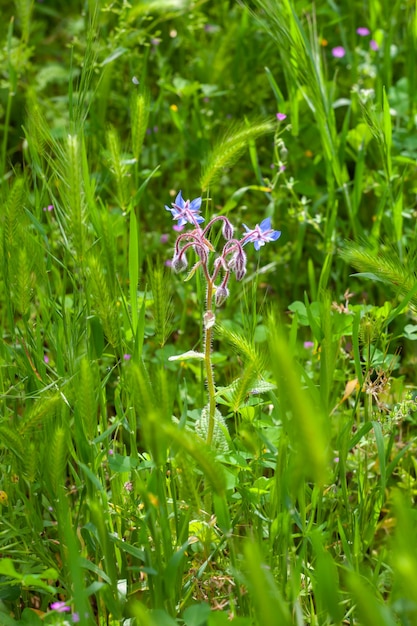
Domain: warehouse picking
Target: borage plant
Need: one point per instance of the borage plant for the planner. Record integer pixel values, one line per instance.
(217, 273)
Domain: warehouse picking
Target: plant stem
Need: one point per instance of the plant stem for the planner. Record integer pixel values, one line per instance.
(208, 325)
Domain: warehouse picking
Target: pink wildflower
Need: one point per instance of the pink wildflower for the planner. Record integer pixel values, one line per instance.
(338, 52)
(60, 607)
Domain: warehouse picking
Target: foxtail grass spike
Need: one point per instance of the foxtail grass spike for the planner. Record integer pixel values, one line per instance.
(139, 114)
(229, 148)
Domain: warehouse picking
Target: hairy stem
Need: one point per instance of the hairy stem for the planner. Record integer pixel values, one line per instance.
(208, 326)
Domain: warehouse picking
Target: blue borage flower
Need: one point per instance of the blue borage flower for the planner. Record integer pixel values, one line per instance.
(261, 234)
(186, 211)
(231, 260)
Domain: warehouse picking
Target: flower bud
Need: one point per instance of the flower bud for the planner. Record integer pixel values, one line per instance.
(227, 229)
(222, 293)
(240, 273)
(238, 264)
(179, 263)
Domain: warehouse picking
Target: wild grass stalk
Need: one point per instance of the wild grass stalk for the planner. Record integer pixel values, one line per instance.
(229, 148)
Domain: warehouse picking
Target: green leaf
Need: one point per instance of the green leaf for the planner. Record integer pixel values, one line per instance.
(6, 620)
(186, 356)
(410, 332)
(120, 464)
(196, 615)
(114, 55)
(91, 476)
(30, 618)
(192, 272)
(159, 617)
(221, 508)
(7, 569)
(269, 605)
(326, 581)
(30, 581)
(128, 548)
(379, 438)
(9, 591)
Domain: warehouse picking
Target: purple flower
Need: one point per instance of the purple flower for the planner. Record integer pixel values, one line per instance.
(373, 44)
(338, 52)
(227, 229)
(261, 234)
(238, 262)
(48, 208)
(281, 117)
(60, 607)
(363, 31)
(186, 211)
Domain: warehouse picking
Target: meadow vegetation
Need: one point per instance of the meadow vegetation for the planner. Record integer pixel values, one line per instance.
(174, 449)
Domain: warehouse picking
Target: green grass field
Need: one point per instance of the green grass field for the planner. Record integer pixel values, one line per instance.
(208, 413)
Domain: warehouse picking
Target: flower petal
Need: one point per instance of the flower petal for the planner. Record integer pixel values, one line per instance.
(276, 234)
(265, 224)
(179, 200)
(195, 204)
